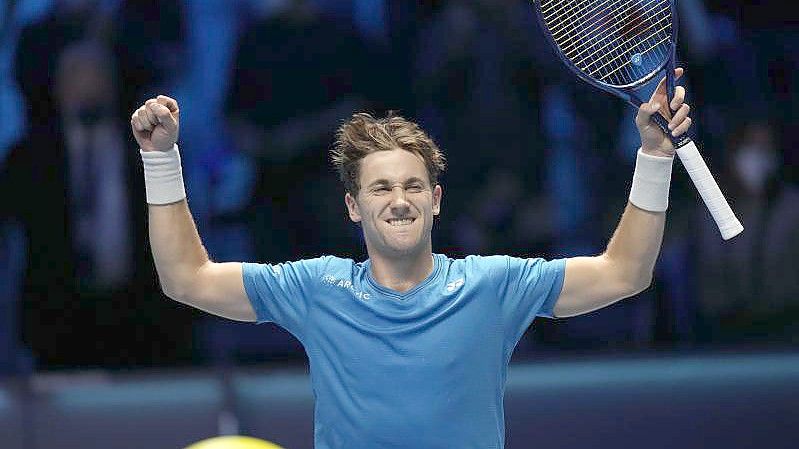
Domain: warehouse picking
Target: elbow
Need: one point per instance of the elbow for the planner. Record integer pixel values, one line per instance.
(641, 284)
(175, 289)
(631, 278)
(171, 291)
(183, 285)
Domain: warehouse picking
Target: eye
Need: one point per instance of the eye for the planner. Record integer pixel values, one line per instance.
(380, 189)
(415, 187)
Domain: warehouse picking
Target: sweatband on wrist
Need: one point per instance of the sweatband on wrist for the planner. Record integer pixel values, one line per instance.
(163, 176)
(651, 181)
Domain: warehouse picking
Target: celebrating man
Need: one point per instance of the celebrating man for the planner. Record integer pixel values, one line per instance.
(408, 348)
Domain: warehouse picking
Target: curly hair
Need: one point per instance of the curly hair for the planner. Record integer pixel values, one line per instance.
(364, 134)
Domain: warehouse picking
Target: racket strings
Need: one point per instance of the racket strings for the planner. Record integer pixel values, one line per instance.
(617, 29)
(656, 47)
(577, 49)
(581, 40)
(620, 42)
(570, 21)
(622, 25)
(565, 14)
(610, 15)
(633, 42)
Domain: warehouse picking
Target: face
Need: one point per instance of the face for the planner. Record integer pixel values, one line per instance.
(395, 204)
(81, 86)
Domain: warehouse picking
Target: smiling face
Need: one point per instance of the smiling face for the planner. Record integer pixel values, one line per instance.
(395, 204)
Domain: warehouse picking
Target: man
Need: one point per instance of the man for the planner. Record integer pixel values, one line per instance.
(409, 348)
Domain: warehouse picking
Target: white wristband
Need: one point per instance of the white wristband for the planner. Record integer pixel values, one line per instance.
(651, 181)
(163, 176)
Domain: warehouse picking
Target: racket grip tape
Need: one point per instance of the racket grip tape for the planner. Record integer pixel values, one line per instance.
(709, 190)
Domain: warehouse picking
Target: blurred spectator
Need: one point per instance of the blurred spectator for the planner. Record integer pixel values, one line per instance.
(501, 219)
(490, 89)
(40, 44)
(477, 87)
(297, 75)
(149, 46)
(748, 290)
(89, 290)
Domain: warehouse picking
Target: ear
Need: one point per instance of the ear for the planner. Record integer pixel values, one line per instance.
(437, 193)
(352, 207)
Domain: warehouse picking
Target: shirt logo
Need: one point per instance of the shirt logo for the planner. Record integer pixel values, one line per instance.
(345, 284)
(454, 285)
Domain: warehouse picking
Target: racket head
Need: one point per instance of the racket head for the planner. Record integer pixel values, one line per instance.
(616, 45)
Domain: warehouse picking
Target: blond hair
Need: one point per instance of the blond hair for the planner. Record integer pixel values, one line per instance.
(364, 134)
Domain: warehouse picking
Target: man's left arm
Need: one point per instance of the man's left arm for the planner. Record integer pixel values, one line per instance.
(627, 265)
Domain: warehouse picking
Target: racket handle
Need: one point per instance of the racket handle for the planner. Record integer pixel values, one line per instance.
(709, 190)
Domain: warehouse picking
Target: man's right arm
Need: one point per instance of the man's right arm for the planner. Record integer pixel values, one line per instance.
(184, 270)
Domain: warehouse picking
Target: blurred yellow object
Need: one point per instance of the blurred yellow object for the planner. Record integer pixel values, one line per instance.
(234, 442)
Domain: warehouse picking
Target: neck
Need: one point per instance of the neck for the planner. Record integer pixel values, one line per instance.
(401, 273)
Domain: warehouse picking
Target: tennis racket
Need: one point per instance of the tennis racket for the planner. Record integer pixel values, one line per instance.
(619, 46)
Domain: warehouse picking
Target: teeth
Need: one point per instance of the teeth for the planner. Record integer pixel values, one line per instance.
(400, 222)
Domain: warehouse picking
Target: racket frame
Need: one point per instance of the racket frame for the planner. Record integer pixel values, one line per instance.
(628, 92)
(728, 224)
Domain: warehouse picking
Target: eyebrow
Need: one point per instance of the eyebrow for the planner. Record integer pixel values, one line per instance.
(384, 181)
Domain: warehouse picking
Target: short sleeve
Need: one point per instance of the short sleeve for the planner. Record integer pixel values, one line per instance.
(532, 287)
(281, 293)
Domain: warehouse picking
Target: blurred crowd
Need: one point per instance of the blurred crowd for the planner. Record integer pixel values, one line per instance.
(539, 164)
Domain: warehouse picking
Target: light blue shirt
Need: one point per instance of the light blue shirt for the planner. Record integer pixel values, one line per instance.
(421, 369)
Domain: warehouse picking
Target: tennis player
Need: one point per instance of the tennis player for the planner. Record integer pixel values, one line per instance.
(408, 349)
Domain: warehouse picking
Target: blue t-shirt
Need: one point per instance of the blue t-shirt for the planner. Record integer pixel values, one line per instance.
(421, 369)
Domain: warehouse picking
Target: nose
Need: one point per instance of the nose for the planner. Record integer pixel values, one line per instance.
(398, 200)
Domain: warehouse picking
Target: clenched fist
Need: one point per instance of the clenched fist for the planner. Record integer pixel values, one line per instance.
(155, 124)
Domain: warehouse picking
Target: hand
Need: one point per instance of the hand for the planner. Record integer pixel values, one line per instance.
(653, 140)
(155, 124)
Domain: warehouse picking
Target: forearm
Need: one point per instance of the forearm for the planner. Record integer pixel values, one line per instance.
(177, 249)
(635, 245)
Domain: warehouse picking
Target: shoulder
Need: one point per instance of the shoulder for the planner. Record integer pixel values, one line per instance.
(496, 261)
(310, 268)
(505, 264)
(477, 265)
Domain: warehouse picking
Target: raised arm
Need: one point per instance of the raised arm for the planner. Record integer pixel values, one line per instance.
(184, 270)
(627, 265)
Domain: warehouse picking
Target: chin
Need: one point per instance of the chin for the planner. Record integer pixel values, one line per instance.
(399, 245)
(402, 249)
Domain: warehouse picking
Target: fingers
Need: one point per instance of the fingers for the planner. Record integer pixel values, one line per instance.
(139, 122)
(679, 116)
(645, 112)
(680, 122)
(682, 127)
(170, 103)
(661, 89)
(162, 115)
(161, 110)
(679, 98)
(148, 112)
